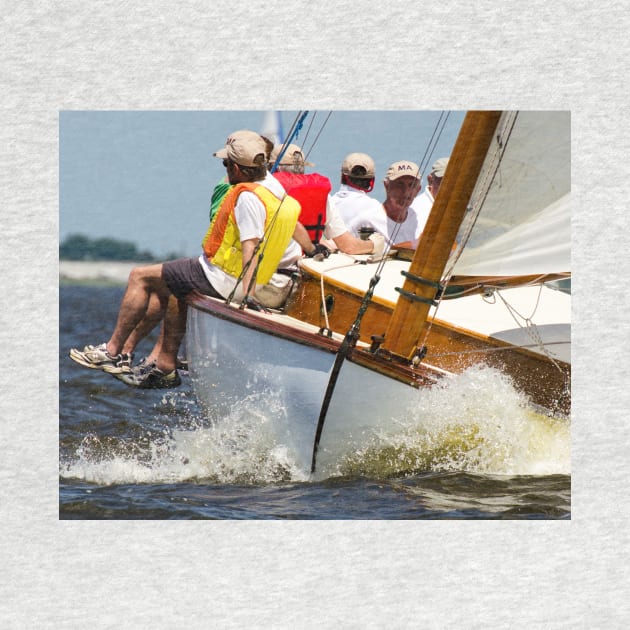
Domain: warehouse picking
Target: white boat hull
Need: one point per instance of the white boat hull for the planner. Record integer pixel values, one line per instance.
(282, 384)
(232, 364)
(263, 379)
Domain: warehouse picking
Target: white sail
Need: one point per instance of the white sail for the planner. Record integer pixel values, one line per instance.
(519, 218)
(272, 127)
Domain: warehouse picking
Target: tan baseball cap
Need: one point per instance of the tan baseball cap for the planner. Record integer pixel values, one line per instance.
(359, 165)
(404, 167)
(293, 154)
(244, 147)
(439, 167)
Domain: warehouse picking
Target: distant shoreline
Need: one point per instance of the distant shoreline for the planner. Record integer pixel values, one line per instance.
(95, 272)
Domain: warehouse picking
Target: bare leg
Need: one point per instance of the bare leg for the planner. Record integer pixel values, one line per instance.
(142, 282)
(171, 335)
(153, 316)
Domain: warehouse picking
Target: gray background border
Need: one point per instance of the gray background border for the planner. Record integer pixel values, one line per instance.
(369, 55)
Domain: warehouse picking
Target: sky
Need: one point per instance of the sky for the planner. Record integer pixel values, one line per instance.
(147, 176)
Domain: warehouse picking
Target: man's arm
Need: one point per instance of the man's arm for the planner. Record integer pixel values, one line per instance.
(249, 247)
(349, 244)
(302, 238)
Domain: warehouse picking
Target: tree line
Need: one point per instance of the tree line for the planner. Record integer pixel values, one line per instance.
(80, 247)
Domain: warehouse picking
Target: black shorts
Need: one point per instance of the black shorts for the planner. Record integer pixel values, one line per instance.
(185, 275)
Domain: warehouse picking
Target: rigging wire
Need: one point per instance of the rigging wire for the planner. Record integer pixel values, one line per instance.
(438, 129)
(319, 133)
(425, 160)
(311, 125)
(529, 326)
(352, 335)
(482, 189)
(294, 132)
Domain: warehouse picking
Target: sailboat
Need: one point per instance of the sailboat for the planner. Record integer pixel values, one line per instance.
(346, 357)
(272, 127)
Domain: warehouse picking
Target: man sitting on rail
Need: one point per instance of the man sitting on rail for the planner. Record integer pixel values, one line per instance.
(255, 207)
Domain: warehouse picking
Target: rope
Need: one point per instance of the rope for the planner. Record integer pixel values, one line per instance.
(530, 327)
(352, 335)
(355, 261)
(349, 342)
(322, 292)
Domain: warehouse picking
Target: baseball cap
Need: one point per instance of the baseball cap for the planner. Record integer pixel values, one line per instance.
(293, 154)
(244, 147)
(439, 166)
(404, 167)
(358, 165)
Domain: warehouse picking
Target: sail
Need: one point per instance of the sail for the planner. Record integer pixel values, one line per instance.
(519, 219)
(272, 127)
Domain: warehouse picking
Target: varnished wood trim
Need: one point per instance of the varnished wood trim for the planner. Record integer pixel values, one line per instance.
(261, 322)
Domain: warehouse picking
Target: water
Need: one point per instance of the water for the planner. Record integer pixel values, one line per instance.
(127, 454)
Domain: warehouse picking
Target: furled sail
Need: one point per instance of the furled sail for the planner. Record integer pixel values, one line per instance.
(519, 220)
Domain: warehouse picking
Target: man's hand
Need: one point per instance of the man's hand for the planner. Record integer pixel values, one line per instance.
(378, 242)
(320, 252)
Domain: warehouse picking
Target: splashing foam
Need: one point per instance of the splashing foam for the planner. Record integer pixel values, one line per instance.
(241, 449)
(476, 422)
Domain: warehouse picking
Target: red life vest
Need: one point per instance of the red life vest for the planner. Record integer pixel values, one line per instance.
(311, 190)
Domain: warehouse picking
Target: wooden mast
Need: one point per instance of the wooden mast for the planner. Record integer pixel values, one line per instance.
(408, 322)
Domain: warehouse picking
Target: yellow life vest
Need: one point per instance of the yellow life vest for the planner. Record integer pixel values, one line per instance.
(222, 242)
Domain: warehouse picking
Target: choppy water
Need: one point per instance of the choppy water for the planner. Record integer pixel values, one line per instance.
(126, 454)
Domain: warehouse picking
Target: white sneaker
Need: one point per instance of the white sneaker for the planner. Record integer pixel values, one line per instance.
(97, 358)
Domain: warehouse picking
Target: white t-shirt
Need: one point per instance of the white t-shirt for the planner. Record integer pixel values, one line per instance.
(422, 205)
(250, 215)
(408, 230)
(358, 210)
(334, 223)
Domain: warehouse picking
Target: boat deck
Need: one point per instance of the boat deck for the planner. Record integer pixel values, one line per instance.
(502, 316)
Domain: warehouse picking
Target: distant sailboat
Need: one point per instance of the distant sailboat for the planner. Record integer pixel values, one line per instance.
(344, 360)
(272, 127)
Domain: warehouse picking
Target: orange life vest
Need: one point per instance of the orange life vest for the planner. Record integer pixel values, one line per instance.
(222, 243)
